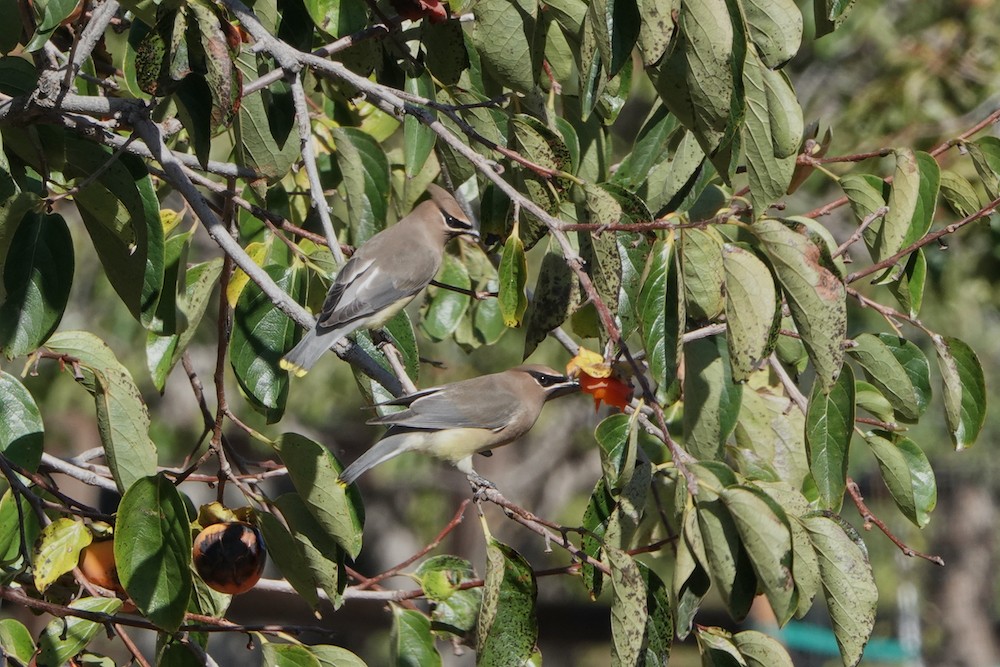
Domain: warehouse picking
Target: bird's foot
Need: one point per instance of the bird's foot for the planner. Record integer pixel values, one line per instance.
(480, 485)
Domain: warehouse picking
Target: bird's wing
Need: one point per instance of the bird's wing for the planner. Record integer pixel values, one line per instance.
(456, 406)
(369, 283)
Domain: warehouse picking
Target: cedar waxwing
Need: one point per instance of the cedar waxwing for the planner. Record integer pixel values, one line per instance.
(383, 275)
(457, 420)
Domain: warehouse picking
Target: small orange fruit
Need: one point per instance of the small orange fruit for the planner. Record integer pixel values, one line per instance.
(97, 562)
(230, 556)
(610, 390)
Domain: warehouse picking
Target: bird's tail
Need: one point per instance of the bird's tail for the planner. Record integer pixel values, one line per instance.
(303, 356)
(383, 450)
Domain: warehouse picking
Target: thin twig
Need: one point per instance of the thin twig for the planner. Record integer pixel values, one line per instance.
(433, 544)
(869, 518)
(312, 170)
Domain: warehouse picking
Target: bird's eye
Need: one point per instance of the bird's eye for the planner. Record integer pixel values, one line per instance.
(455, 223)
(548, 380)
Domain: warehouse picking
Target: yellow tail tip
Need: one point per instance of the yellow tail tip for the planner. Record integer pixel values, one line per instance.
(342, 484)
(292, 367)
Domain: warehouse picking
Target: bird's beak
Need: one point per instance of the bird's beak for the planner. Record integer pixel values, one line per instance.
(472, 234)
(567, 386)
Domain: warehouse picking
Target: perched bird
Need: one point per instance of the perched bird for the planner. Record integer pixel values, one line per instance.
(383, 275)
(454, 421)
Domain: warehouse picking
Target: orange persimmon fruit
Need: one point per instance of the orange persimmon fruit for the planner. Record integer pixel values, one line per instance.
(97, 562)
(230, 556)
(610, 390)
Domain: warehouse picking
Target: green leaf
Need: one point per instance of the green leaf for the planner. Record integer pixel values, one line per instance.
(899, 370)
(760, 650)
(848, 585)
(337, 17)
(985, 154)
(54, 12)
(650, 144)
(418, 139)
(366, 181)
(656, 28)
(261, 335)
(16, 642)
(169, 317)
(805, 566)
(907, 474)
(555, 297)
(262, 145)
(502, 35)
(63, 638)
(508, 626)
(675, 183)
(153, 550)
(412, 643)
(314, 471)
(659, 632)
(446, 308)
(699, 80)
(775, 28)
(21, 429)
(454, 609)
(513, 276)
(122, 216)
(617, 437)
(324, 557)
(628, 608)
(446, 54)
(335, 656)
(959, 193)
(222, 78)
(57, 550)
(829, 427)
(909, 286)
(703, 273)
(711, 398)
(764, 532)
(122, 419)
(661, 316)
(864, 193)
(830, 14)
(773, 129)
(753, 310)
(885, 236)
(767, 429)
(616, 26)
(163, 352)
(595, 521)
(964, 387)
(717, 648)
(285, 552)
(288, 655)
(37, 276)
(816, 294)
(869, 398)
(10, 31)
(690, 578)
(726, 559)
(17, 521)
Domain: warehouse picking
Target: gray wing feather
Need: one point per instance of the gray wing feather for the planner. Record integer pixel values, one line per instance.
(373, 279)
(456, 406)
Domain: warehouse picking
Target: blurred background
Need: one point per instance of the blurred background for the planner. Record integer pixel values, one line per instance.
(897, 74)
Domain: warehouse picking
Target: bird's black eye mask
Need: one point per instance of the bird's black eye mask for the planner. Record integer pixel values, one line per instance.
(457, 225)
(546, 380)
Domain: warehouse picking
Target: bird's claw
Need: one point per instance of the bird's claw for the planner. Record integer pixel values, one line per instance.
(480, 485)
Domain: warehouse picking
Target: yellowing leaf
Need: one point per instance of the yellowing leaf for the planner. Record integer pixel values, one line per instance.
(258, 253)
(590, 363)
